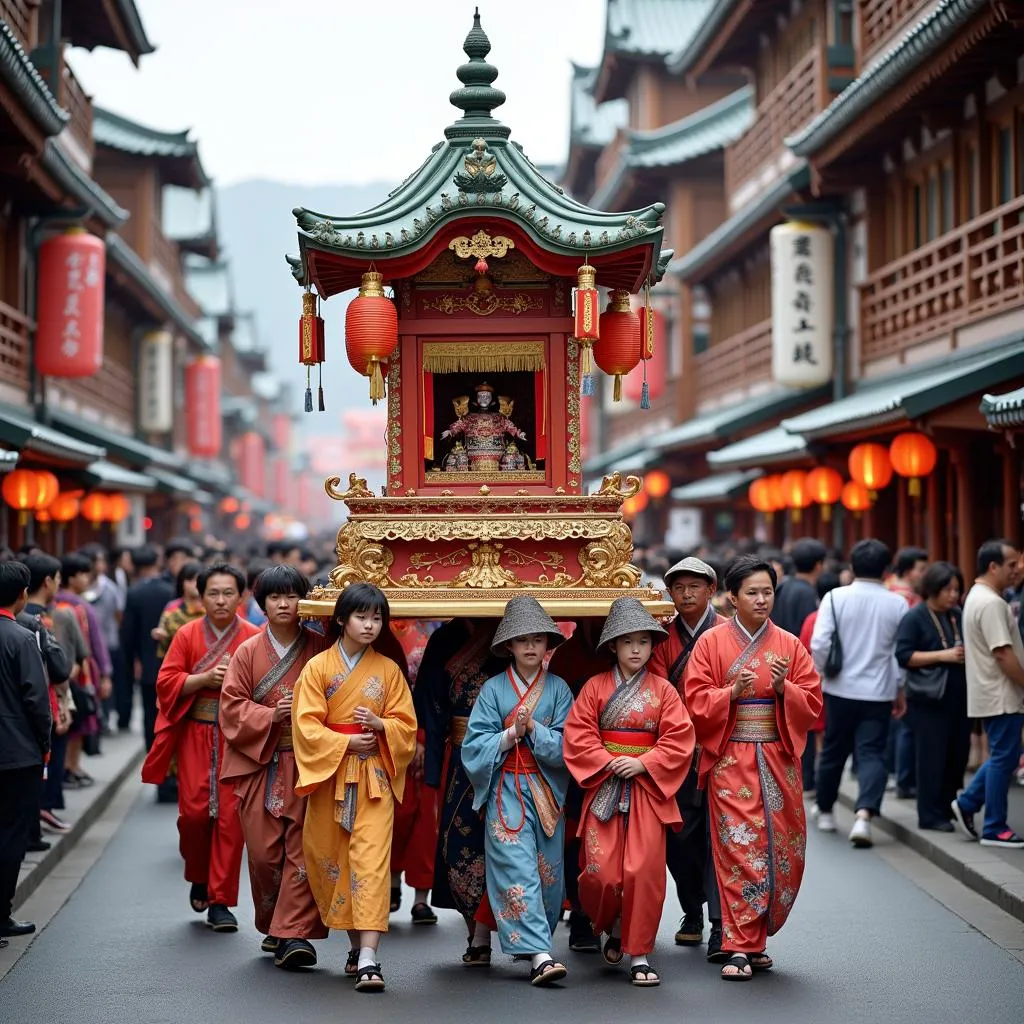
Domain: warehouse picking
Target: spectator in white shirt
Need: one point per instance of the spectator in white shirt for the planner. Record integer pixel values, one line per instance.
(862, 697)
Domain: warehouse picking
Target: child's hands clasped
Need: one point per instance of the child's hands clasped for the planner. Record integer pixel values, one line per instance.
(626, 767)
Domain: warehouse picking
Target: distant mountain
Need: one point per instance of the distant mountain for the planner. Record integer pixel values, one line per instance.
(257, 229)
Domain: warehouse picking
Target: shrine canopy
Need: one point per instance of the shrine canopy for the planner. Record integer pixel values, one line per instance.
(478, 171)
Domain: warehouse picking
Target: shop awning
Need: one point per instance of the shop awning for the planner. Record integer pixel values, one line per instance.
(131, 449)
(723, 423)
(1004, 410)
(109, 475)
(631, 457)
(8, 460)
(775, 445)
(211, 474)
(22, 432)
(913, 395)
(179, 486)
(712, 489)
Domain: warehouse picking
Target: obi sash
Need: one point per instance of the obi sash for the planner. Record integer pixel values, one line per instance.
(633, 742)
(204, 709)
(345, 809)
(271, 686)
(459, 725)
(755, 722)
(614, 794)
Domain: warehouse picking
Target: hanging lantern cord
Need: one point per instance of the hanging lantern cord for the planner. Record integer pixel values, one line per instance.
(645, 390)
(309, 391)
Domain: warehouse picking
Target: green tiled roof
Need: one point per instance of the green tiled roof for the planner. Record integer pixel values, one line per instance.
(653, 28)
(8, 460)
(720, 487)
(711, 128)
(686, 51)
(914, 395)
(79, 185)
(590, 123)
(178, 486)
(23, 432)
(887, 70)
(131, 449)
(210, 473)
(775, 445)
(1004, 410)
(629, 457)
(18, 71)
(82, 27)
(109, 474)
(209, 283)
(117, 132)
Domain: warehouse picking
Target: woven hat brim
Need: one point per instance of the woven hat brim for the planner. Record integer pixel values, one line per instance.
(499, 650)
(631, 619)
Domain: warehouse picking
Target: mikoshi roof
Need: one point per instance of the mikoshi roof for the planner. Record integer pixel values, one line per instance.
(478, 177)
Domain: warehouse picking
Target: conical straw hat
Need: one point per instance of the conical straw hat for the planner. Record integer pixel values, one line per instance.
(523, 616)
(628, 615)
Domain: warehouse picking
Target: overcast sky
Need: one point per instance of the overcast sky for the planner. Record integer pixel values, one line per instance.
(340, 91)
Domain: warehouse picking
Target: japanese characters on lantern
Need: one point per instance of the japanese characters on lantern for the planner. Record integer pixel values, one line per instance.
(69, 333)
(802, 313)
(156, 382)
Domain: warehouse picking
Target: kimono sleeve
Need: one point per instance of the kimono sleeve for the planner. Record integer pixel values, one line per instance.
(585, 753)
(481, 749)
(318, 750)
(398, 743)
(175, 669)
(710, 705)
(801, 701)
(668, 761)
(546, 741)
(247, 726)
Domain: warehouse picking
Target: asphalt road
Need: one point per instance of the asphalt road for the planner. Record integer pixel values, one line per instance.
(864, 944)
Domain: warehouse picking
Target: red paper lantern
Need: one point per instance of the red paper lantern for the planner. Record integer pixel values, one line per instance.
(228, 505)
(870, 466)
(653, 366)
(586, 322)
(281, 431)
(243, 521)
(371, 332)
(49, 488)
(312, 346)
(794, 491)
(825, 486)
(202, 407)
(913, 455)
(69, 331)
(657, 483)
(282, 481)
(252, 470)
(119, 508)
(760, 497)
(94, 508)
(855, 497)
(63, 508)
(773, 486)
(27, 490)
(618, 349)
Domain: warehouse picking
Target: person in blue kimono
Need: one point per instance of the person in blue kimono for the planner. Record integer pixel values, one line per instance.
(513, 755)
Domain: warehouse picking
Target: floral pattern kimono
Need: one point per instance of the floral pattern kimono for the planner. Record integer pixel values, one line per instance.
(523, 791)
(750, 767)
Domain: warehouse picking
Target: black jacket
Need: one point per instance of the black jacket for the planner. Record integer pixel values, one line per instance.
(143, 607)
(55, 661)
(24, 699)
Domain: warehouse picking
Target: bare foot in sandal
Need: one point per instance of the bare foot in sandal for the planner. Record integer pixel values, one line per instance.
(761, 961)
(737, 968)
(642, 974)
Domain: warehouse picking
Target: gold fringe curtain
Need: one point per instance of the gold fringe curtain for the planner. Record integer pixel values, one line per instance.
(483, 357)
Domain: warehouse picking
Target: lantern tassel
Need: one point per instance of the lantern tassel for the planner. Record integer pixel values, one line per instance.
(587, 369)
(914, 487)
(376, 382)
(309, 393)
(645, 391)
(617, 388)
(320, 387)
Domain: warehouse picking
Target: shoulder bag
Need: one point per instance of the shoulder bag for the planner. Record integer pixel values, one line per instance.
(929, 683)
(834, 661)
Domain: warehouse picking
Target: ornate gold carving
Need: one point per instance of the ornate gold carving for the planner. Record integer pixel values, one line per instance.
(485, 490)
(395, 416)
(361, 560)
(514, 269)
(573, 406)
(455, 527)
(481, 245)
(356, 488)
(410, 492)
(522, 491)
(484, 303)
(447, 494)
(485, 571)
(605, 562)
(483, 357)
(611, 486)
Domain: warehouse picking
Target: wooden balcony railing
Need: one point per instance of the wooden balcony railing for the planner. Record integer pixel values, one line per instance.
(737, 362)
(881, 21)
(20, 15)
(15, 329)
(110, 392)
(962, 277)
(789, 106)
(73, 99)
(166, 257)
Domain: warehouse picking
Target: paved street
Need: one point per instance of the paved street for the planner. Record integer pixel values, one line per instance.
(864, 944)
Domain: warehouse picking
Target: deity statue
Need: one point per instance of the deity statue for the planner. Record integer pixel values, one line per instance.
(457, 460)
(513, 460)
(485, 430)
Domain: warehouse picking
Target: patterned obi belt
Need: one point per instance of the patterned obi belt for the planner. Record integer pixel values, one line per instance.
(628, 741)
(458, 729)
(285, 741)
(755, 722)
(204, 709)
(520, 761)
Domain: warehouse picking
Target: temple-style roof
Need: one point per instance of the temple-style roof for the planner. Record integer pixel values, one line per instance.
(593, 124)
(177, 153)
(478, 175)
(710, 128)
(25, 81)
(1005, 410)
(113, 23)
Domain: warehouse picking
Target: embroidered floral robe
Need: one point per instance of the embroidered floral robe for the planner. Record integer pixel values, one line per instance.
(349, 816)
(623, 822)
(259, 763)
(523, 791)
(750, 768)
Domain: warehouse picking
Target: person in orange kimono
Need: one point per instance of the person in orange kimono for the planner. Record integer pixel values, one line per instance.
(628, 742)
(259, 763)
(354, 729)
(415, 834)
(753, 695)
(187, 726)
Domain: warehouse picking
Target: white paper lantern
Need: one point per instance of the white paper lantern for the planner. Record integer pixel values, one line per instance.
(156, 382)
(802, 304)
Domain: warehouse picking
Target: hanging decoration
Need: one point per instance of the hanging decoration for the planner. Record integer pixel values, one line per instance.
(64, 508)
(202, 407)
(252, 463)
(586, 322)
(795, 493)
(118, 509)
(825, 486)
(802, 304)
(913, 455)
(281, 432)
(371, 332)
(618, 349)
(228, 505)
(312, 346)
(761, 499)
(94, 508)
(69, 323)
(870, 467)
(855, 497)
(243, 521)
(657, 483)
(29, 490)
(647, 341)
(156, 382)
(773, 483)
(653, 368)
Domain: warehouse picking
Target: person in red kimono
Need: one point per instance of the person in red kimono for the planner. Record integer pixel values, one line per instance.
(259, 763)
(414, 839)
(628, 742)
(753, 694)
(187, 726)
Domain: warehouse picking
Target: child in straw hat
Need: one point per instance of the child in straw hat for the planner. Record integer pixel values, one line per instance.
(513, 755)
(628, 742)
